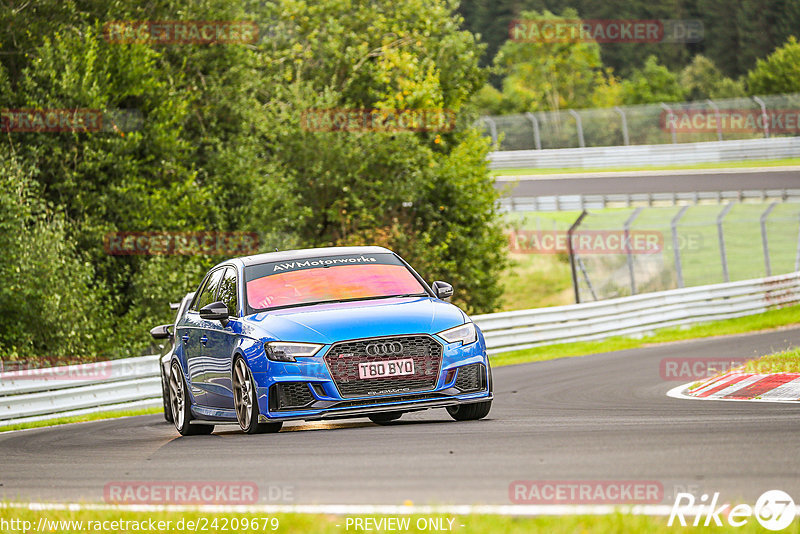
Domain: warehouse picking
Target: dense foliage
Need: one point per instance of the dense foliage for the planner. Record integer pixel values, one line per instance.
(221, 147)
(736, 32)
(535, 76)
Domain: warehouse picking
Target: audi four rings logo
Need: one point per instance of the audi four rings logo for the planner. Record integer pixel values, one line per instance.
(384, 349)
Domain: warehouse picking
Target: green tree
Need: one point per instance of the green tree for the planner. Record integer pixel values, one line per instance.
(396, 189)
(541, 75)
(51, 307)
(652, 83)
(701, 79)
(778, 73)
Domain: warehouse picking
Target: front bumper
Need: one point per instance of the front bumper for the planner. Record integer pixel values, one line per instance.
(305, 390)
(424, 402)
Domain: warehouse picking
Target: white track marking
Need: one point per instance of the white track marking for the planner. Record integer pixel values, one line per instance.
(366, 509)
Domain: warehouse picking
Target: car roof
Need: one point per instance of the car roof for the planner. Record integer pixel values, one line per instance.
(288, 255)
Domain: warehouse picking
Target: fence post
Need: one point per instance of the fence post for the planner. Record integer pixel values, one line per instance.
(721, 237)
(579, 124)
(675, 245)
(764, 242)
(586, 277)
(537, 140)
(671, 122)
(492, 129)
(764, 116)
(625, 138)
(627, 227)
(719, 122)
(797, 257)
(572, 255)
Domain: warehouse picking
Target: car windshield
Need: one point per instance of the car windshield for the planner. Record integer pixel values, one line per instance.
(328, 279)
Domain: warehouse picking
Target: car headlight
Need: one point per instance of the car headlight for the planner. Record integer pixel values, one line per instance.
(279, 351)
(465, 333)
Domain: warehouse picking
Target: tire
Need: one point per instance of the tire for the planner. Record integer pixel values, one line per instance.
(245, 402)
(470, 412)
(385, 418)
(165, 395)
(180, 406)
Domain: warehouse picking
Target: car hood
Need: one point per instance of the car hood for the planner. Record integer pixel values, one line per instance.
(330, 323)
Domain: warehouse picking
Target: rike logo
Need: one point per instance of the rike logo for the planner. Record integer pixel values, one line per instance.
(774, 510)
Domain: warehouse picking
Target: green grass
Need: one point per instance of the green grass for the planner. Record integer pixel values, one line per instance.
(710, 165)
(763, 321)
(324, 524)
(779, 362)
(540, 279)
(535, 281)
(81, 418)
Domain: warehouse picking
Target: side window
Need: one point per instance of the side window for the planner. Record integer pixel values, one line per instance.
(227, 291)
(209, 290)
(196, 299)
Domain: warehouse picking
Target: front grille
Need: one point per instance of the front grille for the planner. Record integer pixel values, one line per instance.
(286, 395)
(343, 360)
(470, 377)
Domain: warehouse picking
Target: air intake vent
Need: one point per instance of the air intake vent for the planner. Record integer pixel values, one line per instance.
(471, 377)
(289, 395)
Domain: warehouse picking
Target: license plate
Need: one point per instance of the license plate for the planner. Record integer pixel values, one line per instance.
(386, 368)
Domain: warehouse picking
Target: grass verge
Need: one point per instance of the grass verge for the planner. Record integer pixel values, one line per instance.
(81, 418)
(92, 520)
(780, 362)
(752, 323)
(698, 166)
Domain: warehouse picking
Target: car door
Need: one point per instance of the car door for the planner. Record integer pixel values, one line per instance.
(193, 335)
(222, 340)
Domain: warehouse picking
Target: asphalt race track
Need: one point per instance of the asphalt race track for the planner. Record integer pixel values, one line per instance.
(601, 417)
(653, 182)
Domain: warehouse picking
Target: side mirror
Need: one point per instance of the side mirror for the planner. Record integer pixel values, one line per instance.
(442, 290)
(161, 331)
(216, 311)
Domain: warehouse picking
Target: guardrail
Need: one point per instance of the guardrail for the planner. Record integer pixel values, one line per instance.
(628, 200)
(637, 314)
(36, 394)
(633, 155)
(135, 382)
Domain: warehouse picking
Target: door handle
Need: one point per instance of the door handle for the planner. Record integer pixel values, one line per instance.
(185, 338)
(204, 340)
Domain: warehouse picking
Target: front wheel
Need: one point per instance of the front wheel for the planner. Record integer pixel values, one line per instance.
(245, 402)
(470, 412)
(180, 405)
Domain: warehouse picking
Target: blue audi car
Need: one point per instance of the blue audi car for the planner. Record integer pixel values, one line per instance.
(318, 334)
